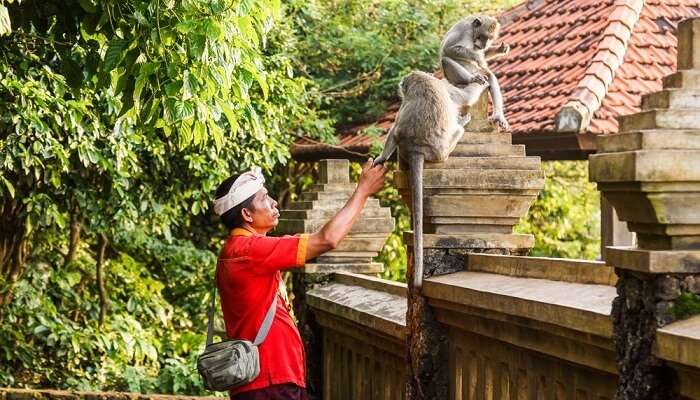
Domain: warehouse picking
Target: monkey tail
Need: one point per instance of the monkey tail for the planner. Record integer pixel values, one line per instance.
(416, 165)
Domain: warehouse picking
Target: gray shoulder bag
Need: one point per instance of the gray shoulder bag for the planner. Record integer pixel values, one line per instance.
(235, 362)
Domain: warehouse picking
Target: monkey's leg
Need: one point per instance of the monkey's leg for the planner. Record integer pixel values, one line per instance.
(464, 119)
(497, 100)
(415, 163)
(389, 146)
(457, 75)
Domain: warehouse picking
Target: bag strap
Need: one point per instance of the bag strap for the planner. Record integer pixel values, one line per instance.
(264, 328)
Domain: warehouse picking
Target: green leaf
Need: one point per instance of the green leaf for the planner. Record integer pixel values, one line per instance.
(9, 186)
(138, 88)
(114, 54)
(89, 6)
(72, 71)
(183, 110)
(5, 24)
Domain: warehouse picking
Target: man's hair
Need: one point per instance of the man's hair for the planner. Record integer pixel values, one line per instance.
(232, 218)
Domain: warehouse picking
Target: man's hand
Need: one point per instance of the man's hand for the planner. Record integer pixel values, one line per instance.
(372, 179)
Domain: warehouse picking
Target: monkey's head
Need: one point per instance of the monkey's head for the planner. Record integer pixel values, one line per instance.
(415, 80)
(486, 31)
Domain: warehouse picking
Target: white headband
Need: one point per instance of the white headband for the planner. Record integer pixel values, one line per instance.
(245, 186)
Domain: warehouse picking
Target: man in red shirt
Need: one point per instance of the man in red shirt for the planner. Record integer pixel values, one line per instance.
(248, 275)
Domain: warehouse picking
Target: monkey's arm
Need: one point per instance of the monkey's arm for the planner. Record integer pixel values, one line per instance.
(457, 75)
(496, 51)
(389, 145)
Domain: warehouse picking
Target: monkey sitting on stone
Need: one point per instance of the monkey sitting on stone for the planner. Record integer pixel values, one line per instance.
(463, 54)
(427, 128)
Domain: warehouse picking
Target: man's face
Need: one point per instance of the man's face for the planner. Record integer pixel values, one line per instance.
(264, 212)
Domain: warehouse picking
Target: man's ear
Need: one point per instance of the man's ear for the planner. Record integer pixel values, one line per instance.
(247, 216)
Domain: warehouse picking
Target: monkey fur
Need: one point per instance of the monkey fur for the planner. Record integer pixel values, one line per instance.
(463, 54)
(427, 128)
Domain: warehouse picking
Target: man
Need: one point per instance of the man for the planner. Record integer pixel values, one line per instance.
(248, 275)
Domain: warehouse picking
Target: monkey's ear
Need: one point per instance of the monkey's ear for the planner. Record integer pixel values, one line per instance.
(477, 22)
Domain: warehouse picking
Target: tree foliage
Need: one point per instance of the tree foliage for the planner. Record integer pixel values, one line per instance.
(565, 218)
(357, 51)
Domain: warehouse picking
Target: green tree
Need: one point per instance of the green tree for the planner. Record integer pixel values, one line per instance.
(118, 114)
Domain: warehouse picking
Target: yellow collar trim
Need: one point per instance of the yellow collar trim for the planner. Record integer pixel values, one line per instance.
(241, 232)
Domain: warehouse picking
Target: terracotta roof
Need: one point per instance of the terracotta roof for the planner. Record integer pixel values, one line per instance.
(574, 66)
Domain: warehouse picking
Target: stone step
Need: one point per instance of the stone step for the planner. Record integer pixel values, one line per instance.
(456, 162)
(687, 79)
(657, 166)
(486, 137)
(344, 194)
(475, 179)
(689, 44)
(678, 118)
(327, 204)
(362, 242)
(357, 268)
(477, 206)
(327, 259)
(365, 225)
(326, 214)
(656, 139)
(485, 150)
(672, 98)
(332, 187)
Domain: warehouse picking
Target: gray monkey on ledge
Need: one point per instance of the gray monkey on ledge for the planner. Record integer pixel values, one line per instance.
(427, 127)
(464, 53)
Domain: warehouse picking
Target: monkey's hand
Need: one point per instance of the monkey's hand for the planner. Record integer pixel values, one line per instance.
(479, 79)
(497, 51)
(500, 120)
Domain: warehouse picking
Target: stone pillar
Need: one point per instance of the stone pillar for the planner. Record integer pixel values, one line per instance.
(613, 232)
(650, 172)
(471, 203)
(353, 254)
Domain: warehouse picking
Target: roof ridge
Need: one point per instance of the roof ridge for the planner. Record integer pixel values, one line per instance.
(587, 97)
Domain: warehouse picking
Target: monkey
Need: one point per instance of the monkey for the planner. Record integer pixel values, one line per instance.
(463, 54)
(427, 128)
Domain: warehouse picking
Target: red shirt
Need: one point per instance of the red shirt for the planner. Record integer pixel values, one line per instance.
(248, 277)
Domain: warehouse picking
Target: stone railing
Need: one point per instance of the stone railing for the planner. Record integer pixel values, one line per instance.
(363, 324)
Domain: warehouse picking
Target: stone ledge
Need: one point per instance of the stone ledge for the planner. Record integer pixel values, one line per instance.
(649, 140)
(41, 394)
(326, 268)
(679, 342)
(374, 309)
(581, 307)
(555, 269)
(473, 240)
(645, 166)
(370, 282)
(653, 261)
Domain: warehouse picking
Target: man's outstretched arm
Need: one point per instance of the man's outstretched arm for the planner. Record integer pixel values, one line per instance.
(328, 237)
